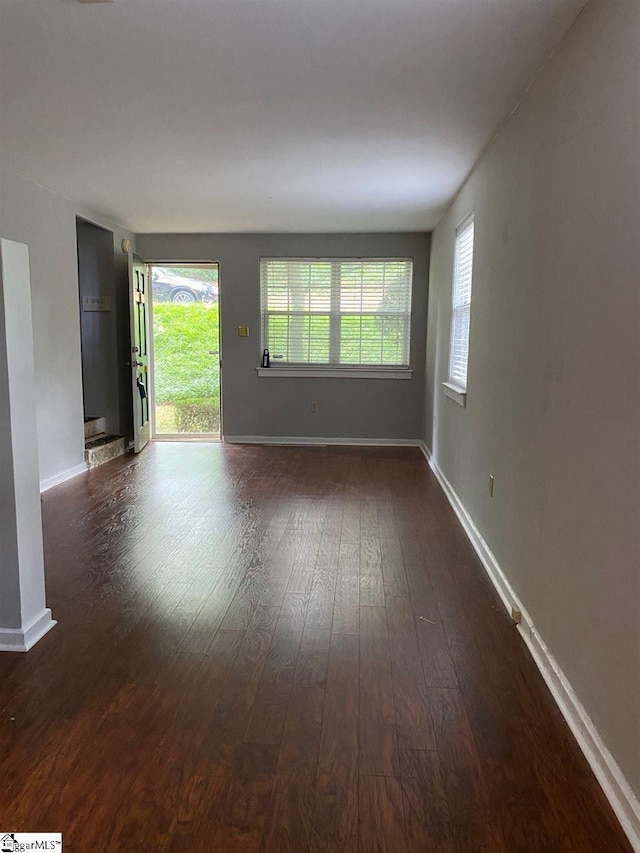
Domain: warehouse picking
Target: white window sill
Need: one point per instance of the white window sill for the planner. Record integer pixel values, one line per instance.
(334, 372)
(455, 393)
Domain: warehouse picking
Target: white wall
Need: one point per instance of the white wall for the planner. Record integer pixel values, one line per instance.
(21, 563)
(24, 617)
(46, 222)
(552, 406)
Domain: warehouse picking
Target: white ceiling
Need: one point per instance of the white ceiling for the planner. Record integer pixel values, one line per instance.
(264, 115)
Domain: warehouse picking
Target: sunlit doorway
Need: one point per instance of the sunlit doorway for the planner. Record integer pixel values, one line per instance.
(185, 351)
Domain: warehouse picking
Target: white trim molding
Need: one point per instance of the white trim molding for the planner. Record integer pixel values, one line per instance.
(62, 477)
(22, 639)
(456, 393)
(334, 372)
(313, 441)
(607, 771)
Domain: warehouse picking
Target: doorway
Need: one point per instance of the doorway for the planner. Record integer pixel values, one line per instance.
(104, 343)
(185, 362)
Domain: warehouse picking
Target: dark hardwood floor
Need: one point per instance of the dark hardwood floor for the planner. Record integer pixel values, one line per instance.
(282, 649)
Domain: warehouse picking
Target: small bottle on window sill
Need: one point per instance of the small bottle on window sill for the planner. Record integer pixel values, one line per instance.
(265, 358)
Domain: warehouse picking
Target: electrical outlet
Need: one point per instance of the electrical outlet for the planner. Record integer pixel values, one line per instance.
(491, 481)
(315, 407)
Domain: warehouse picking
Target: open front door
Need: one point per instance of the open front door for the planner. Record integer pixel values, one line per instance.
(139, 311)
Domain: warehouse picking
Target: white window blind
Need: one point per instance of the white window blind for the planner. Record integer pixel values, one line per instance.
(461, 316)
(336, 311)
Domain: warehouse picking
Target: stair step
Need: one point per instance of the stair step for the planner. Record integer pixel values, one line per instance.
(93, 426)
(103, 448)
(92, 439)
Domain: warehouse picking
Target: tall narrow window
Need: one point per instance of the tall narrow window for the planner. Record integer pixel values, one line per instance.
(461, 314)
(336, 312)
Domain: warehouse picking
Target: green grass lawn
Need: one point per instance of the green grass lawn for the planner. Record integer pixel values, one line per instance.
(187, 376)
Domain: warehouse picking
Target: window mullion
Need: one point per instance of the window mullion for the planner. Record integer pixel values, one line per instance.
(334, 316)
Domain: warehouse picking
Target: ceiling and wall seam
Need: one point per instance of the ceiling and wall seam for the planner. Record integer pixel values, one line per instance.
(507, 118)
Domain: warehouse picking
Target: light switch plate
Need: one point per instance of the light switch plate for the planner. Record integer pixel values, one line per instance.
(243, 331)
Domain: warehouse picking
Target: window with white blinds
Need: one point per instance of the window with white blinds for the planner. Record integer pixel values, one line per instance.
(339, 312)
(461, 315)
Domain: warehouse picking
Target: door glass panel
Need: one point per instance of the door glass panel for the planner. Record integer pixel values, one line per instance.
(186, 350)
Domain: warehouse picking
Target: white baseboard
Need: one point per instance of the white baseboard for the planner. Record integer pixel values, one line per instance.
(62, 477)
(22, 639)
(318, 441)
(616, 788)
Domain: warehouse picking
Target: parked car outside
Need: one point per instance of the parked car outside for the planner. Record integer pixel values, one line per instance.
(168, 287)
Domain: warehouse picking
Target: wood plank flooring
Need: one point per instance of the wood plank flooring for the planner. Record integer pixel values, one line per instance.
(240, 664)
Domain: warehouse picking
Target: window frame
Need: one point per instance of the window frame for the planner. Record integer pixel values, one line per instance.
(454, 388)
(333, 368)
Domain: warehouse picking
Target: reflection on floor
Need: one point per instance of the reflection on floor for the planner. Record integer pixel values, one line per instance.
(281, 649)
